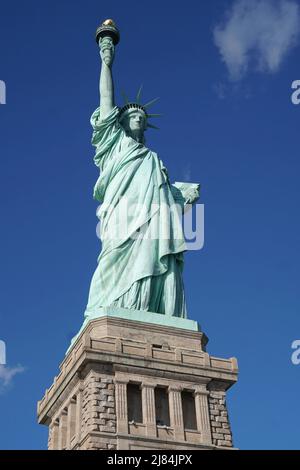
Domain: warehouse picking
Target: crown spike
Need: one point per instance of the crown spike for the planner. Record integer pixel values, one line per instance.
(153, 115)
(138, 96)
(152, 126)
(150, 103)
(125, 97)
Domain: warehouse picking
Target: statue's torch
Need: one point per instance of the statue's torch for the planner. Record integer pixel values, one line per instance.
(107, 36)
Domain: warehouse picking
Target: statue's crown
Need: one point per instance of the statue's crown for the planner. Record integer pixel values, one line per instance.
(136, 105)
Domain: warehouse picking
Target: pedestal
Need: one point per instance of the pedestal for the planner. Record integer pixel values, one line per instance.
(130, 384)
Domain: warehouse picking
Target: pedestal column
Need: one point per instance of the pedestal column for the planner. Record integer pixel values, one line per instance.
(121, 406)
(176, 415)
(202, 414)
(62, 430)
(78, 415)
(71, 423)
(148, 402)
(53, 433)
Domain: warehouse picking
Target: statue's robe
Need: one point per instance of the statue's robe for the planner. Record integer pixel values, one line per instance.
(135, 270)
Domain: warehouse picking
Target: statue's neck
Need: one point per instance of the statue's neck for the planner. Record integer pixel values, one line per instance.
(138, 136)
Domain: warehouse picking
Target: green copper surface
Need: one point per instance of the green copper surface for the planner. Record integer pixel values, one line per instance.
(139, 272)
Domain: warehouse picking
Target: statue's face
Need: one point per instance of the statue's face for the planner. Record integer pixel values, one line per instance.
(135, 122)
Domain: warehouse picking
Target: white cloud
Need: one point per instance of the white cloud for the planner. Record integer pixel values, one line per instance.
(187, 172)
(257, 34)
(220, 89)
(7, 374)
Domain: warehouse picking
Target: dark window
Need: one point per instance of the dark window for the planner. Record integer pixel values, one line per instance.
(134, 403)
(189, 410)
(162, 406)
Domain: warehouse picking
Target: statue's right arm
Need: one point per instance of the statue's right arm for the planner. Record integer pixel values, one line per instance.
(106, 80)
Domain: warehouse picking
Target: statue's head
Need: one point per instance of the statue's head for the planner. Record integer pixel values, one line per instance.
(134, 117)
(134, 122)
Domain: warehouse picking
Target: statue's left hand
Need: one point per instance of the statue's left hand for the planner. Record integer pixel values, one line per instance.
(191, 195)
(189, 191)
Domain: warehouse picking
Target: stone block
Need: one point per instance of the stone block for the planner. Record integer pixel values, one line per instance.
(221, 419)
(216, 424)
(224, 443)
(107, 429)
(218, 436)
(226, 431)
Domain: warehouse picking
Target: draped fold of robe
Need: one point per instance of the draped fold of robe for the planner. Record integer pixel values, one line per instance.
(141, 261)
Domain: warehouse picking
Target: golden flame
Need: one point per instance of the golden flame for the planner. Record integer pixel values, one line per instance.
(109, 22)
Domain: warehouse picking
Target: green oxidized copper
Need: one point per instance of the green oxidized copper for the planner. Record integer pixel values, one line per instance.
(137, 277)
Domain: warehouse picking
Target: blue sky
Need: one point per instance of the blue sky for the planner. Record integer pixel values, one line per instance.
(224, 77)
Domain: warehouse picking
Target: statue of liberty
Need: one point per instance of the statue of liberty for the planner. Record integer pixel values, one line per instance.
(141, 269)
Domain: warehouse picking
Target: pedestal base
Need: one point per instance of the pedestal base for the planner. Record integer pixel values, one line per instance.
(128, 384)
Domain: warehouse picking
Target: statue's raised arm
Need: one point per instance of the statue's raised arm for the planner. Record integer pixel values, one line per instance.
(107, 37)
